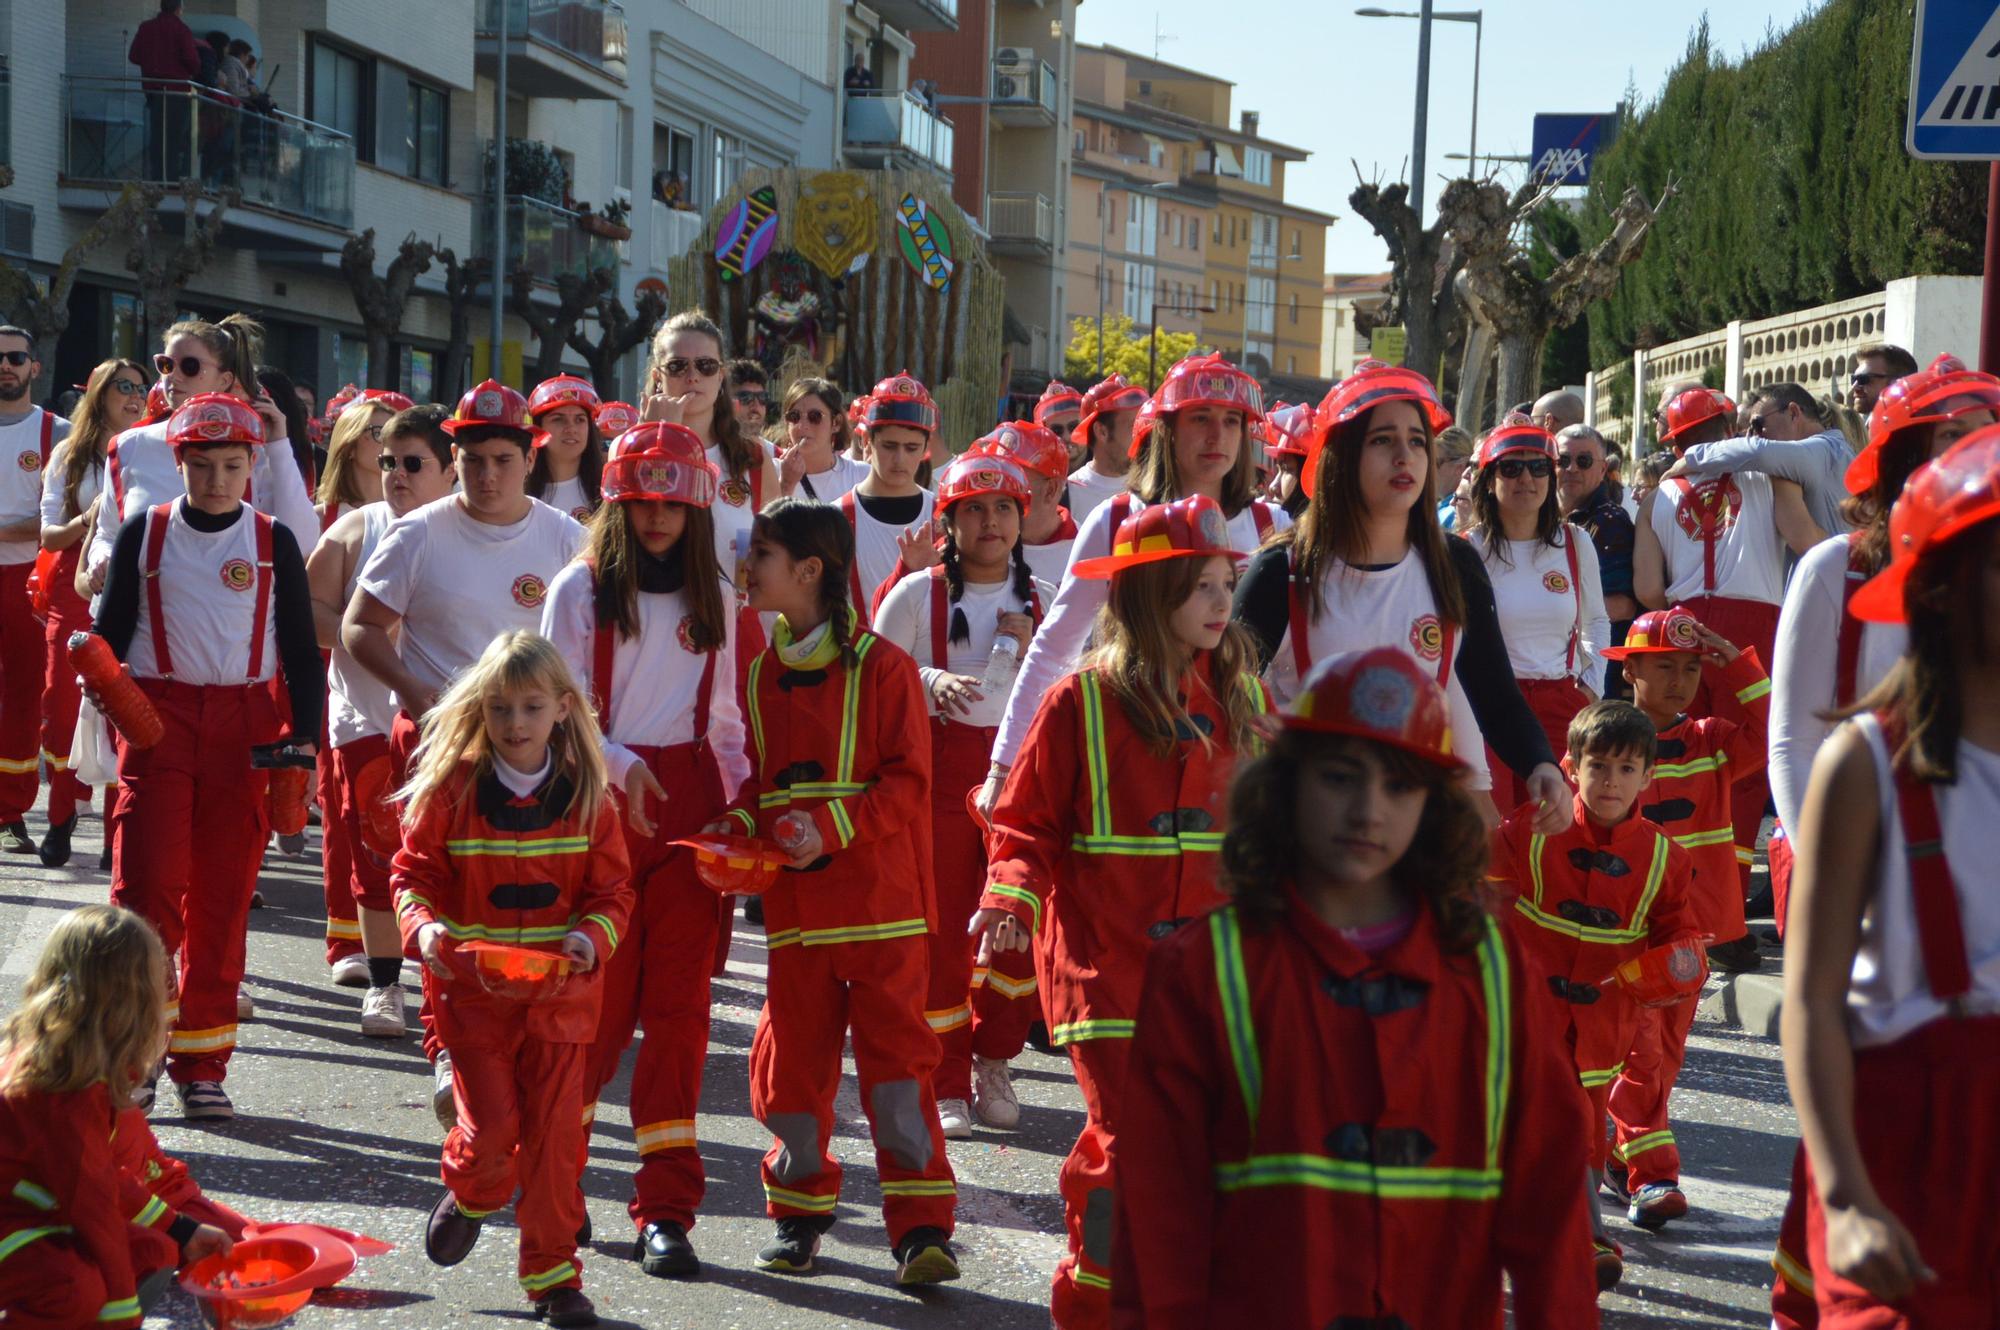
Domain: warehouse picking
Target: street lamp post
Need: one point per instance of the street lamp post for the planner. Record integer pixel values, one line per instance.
(1153, 337)
(1477, 18)
(497, 276)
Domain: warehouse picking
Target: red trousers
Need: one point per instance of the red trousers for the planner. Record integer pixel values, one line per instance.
(22, 647)
(815, 996)
(520, 1125)
(974, 1009)
(1598, 1141)
(1746, 623)
(404, 735)
(50, 1285)
(1555, 703)
(343, 926)
(1793, 1306)
(195, 788)
(1778, 854)
(658, 979)
(1919, 1108)
(1080, 1297)
(361, 779)
(1638, 1098)
(61, 694)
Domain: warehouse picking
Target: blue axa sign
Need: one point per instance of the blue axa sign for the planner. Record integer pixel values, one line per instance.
(1566, 142)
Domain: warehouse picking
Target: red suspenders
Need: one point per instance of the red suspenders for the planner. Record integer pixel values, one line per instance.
(1847, 659)
(48, 436)
(940, 617)
(1260, 513)
(854, 591)
(1940, 933)
(329, 517)
(1705, 503)
(604, 641)
(1576, 587)
(157, 521)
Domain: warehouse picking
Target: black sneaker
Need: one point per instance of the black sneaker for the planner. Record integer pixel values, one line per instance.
(565, 1307)
(450, 1233)
(663, 1251)
(55, 845)
(583, 1234)
(1738, 957)
(1614, 1181)
(104, 859)
(924, 1257)
(14, 838)
(792, 1250)
(753, 910)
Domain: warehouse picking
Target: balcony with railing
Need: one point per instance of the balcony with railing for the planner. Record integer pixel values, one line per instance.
(1020, 223)
(545, 240)
(567, 49)
(674, 232)
(117, 130)
(888, 128)
(1024, 91)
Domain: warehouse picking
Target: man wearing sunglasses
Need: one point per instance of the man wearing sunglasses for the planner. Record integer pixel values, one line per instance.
(27, 433)
(1786, 439)
(750, 397)
(1875, 368)
(1583, 490)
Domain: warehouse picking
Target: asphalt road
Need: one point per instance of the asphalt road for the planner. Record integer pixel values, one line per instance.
(337, 1129)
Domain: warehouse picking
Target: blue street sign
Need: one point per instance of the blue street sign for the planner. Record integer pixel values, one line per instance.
(1565, 144)
(1955, 81)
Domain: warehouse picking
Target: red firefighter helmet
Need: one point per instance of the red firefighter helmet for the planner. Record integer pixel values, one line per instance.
(1105, 396)
(1288, 425)
(1943, 498)
(1663, 976)
(1370, 385)
(1190, 528)
(1142, 425)
(857, 416)
(1210, 381)
(564, 390)
(1512, 439)
(614, 418)
(662, 463)
(340, 400)
(1945, 388)
(1033, 448)
(901, 400)
(1058, 401)
(1656, 632)
(1381, 694)
(1693, 406)
(982, 473)
(209, 420)
(388, 398)
(158, 408)
(492, 405)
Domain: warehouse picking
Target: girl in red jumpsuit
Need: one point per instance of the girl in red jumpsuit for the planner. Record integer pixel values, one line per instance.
(77, 1241)
(508, 836)
(1891, 1021)
(645, 615)
(1346, 1073)
(951, 619)
(1110, 823)
(840, 777)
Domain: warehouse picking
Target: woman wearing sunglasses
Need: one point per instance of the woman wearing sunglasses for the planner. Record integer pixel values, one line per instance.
(351, 477)
(815, 463)
(1545, 587)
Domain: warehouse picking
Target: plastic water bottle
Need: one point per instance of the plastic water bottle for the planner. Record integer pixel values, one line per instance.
(1002, 664)
(790, 832)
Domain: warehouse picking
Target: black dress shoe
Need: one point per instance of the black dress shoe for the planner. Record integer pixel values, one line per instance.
(753, 910)
(14, 838)
(663, 1250)
(583, 1234)
(55, 845)
(104, 859)
(566, 1306)
(1038, 1039)
(449, 1235)
(1738, 957)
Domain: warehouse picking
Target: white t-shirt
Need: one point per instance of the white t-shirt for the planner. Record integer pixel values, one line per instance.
(1050, 561)
(1089, 488)
(732, 513)
(1059, 644)
(1544, 610)
(875, 552)
(830, 484)
(655, 679)
(568, 496)
(906, 621)
(208, 594)
(1805, 668)
(458, 583)
(1888, 993)
(88, 486)
(357, 703)
(140, 471)
(1749, 553)
(21, 467)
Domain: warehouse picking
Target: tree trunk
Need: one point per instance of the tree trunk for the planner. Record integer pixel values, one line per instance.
(1520, 374)
(461, 286)
(1470, 407)
(162, 272)
(1422, 294)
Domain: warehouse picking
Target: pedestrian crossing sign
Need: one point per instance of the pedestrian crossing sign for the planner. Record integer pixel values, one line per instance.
(1955, 81)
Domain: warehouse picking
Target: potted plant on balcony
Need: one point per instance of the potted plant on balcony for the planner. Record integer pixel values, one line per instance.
(610, 223)
(534, 171)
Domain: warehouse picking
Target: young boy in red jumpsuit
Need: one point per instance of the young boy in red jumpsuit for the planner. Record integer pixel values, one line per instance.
(1700, 760)
(510, 837)
(840, 773)
(1110, 823)
(1286, 1159)
(1609, 888)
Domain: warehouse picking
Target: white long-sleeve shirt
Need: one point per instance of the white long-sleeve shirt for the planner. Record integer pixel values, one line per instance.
(142, 473)
(1543, 609)
(906, 621)
(1804, 669)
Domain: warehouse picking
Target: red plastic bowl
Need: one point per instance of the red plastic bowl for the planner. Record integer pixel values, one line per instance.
(260, 1282)
(521, 973)
(362, 1245)
(736, 865)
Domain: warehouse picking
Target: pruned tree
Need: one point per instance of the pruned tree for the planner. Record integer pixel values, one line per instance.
(1501, 289)
(382, 300)
(46, 317)
(462, 280)
(164, 264)
(575, 295)
(618, 330)
(1421, 264)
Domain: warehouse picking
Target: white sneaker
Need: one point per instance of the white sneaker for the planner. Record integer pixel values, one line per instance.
(350, 971)
(993, 1094)
(443, 1103)
(956, 1118)
(245, 1008)
(382, 1013)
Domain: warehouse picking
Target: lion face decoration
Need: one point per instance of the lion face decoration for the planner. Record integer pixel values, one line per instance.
(835, 223)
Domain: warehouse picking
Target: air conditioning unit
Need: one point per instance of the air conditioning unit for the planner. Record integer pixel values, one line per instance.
(1013, 60)
(1007, 88)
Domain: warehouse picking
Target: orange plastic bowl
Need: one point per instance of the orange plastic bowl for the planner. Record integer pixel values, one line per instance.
(736, 865)
(260, 1282)
(521, 973)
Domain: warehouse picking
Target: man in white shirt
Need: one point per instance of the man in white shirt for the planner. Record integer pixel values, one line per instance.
(27, 433)
(1105, 429)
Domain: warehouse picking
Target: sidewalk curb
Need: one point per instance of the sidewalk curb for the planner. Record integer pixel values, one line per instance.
(1749, 1002)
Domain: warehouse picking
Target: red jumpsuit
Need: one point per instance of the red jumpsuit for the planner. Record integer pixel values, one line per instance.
(69, 1257)
(336, 839)
(1700, 763)
(157, 1187)
(524, 871)
(1424, 1119)
(22, 647)
(1585, 901)
(1118, 845)
(61, 695)
(848, 935)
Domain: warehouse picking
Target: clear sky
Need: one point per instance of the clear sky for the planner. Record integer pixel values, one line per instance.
(1344, 87)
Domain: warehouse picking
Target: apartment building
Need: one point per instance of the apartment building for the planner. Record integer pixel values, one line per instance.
(1354, 301)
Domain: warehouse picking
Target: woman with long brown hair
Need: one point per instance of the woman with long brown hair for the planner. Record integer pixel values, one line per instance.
(569, 466)
(114, 400)
(350, 478)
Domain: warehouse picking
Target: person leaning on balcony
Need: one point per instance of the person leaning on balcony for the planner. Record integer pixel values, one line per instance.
(859, 77)
(1787, 439)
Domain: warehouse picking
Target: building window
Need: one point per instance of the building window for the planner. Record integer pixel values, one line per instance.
(1291, 364)
(625, 148)
(728, 165)
(1079, 141)
(1256, 166)
(1295, 242)
(340, 96)
(1218, 229)
(673, 166)
(1294, 312)
(427, 133)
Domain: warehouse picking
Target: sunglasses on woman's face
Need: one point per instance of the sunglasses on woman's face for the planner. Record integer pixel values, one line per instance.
(127, 388)
(412, 464)
(191, 367)
(706, 366)
(1513, 468)
(811, 415)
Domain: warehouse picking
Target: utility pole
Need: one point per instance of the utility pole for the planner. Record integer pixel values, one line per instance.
(498, 277)
(1423, 110)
